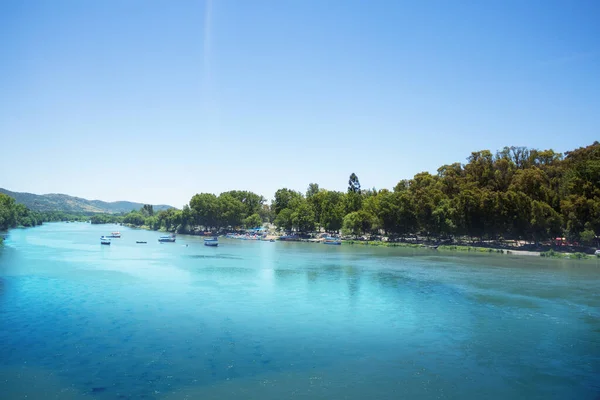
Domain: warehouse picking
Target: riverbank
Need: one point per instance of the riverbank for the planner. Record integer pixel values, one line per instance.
(477, 249)
(510, 248)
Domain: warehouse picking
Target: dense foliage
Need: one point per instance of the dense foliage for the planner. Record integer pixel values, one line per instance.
(13, 214)
(517, 193)
(232, 209)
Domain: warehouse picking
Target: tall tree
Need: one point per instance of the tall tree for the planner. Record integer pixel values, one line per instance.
(353, 184)
(312, 190)
(253, 221)
(206, 209)
(358, 222)
(303, 218)
(332, 211)
(284, 199)
(284, 219)
(147, 210)
(231, 211)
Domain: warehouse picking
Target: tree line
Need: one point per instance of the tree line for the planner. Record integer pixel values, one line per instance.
(516, 193)
(13, 214)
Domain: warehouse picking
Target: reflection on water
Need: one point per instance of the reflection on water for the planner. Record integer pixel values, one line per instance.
(213, 256)
(279, 320)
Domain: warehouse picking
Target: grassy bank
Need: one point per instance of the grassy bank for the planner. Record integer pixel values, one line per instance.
(423, 246)
(475, 249)
(577, 256)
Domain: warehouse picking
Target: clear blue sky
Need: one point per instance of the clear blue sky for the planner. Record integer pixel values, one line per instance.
(153, 101)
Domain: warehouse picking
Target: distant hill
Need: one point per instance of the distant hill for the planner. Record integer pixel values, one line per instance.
(66, 203)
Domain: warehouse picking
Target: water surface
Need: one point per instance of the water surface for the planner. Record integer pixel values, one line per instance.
(288, 320)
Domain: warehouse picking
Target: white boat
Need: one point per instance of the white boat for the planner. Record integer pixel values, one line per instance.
(104, 240)
(114, 235)
(332, 240)
(169, 238)
(213, 242)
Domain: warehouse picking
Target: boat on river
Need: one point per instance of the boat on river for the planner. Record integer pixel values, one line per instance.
(104, 240)
(167, 239)
(213, 242)
(114, 235)
(332, 240)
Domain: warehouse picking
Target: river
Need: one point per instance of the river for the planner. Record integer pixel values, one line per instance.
(280, 320)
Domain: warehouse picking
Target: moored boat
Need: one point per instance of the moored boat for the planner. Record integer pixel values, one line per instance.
(140, 242)
(332, 240)
(104, 240)
(114, 235)
(167, 238)
(213, 242)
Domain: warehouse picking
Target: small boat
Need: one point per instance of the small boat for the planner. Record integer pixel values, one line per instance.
(213, 242)
(114, 235)
(104, 240)
(332, 240)
(167, 239)
(140, 242)
(272, 240)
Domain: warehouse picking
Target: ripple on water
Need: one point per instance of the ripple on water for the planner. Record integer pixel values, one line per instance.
(256, 321)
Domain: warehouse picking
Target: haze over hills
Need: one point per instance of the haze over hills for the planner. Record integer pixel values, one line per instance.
(66, 203)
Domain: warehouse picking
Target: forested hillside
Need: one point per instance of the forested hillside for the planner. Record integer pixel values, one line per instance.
(70, 204)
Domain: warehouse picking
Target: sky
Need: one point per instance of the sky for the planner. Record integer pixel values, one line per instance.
(154, 101)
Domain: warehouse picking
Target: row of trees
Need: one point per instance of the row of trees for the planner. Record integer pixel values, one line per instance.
(517, 193)
(233, 209)
(13, 214)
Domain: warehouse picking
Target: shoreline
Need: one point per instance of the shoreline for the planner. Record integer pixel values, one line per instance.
(551, 253)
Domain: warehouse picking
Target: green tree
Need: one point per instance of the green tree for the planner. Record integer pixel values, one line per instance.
(8, 212)
(312, 190)
(317, 201)
(206, 209)
(353, 184)
(251, 202)
(284, 198)
(353, 202)
(266, 213)
(152, 222)
(134, 218)
(231, 211)
(545, 222)
(588, 237)
(357, 223)
(303, 218)
(147, 210)
(253, 221)
(332, 211)
(186, 219)
(284, 219)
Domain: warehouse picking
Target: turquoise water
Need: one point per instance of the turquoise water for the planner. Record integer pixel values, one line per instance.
(288, 320)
